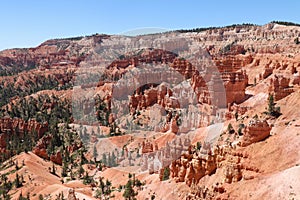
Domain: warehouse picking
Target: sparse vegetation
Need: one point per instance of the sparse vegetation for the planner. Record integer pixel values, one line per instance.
(285, 23)
(272, 109)
(212, 28)
(230, 128)
(241, 126)
(60, 196)
(130, 193)
(87, 179)
(166, 173)
(198, 146)
(5, 186)
(18, 181)
(104, 189)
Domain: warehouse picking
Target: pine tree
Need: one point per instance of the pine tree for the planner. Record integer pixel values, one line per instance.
(129, 193)
(113, 160)
(166, 174)
(53, 170)
(230, 128)
(272, 110)
(104, 159)
(60, 196)
(80, 171)
(95, 152)
(198, 145)
(18, 182)
(87, 179)
(105, 189)
(16, 165)
(41, 197)
(64, 169)
(271, 104)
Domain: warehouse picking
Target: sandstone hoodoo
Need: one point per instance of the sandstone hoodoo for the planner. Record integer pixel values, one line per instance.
(279, 85)
(256, 131)
(21, 126)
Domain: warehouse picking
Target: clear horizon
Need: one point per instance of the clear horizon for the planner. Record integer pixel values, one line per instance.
(29, 23)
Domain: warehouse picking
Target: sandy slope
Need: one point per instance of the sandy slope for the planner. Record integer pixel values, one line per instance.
(39, 180)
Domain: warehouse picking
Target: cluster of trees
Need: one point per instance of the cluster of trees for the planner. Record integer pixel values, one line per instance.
(109, 160)
(14, 67)
(285, 23)
(104, 189)
(8, 89)
(102, 111)
(212, 28)
(233, 26)
(44, 108)
(12, 71)
(83, 110)
(130, 193)
(6, 185)
(18, 142)
(72, 162)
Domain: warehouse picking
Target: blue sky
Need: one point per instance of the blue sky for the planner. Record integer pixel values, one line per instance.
(28, 23)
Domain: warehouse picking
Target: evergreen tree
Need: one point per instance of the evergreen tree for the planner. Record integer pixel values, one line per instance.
(41, 197)
(230, 128)
(166, 174)
(105, 189)
(272, 110)
(87, 179)
(80, 171)
(104, 159)
(60, 196)
(271, 104)
(95, 152)
(113, 160)
(64, 169)
(129, 193)
(18, 182)
(53, 170)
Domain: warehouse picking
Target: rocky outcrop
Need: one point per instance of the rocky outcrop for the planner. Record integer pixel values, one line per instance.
(148, 147)
(147, 96)
(19, 125)
(235, 111)
(72, 195)
(255, 131)
(235, 84)
(279, 86)
(196, 164)
(267, 72)
(156, 160)
(232, 171)
(171, 124)
(145, 56)
(56, 158)
(193, 166)
(204, 193)
(231, 63)
(21, 128)
(41, 147)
